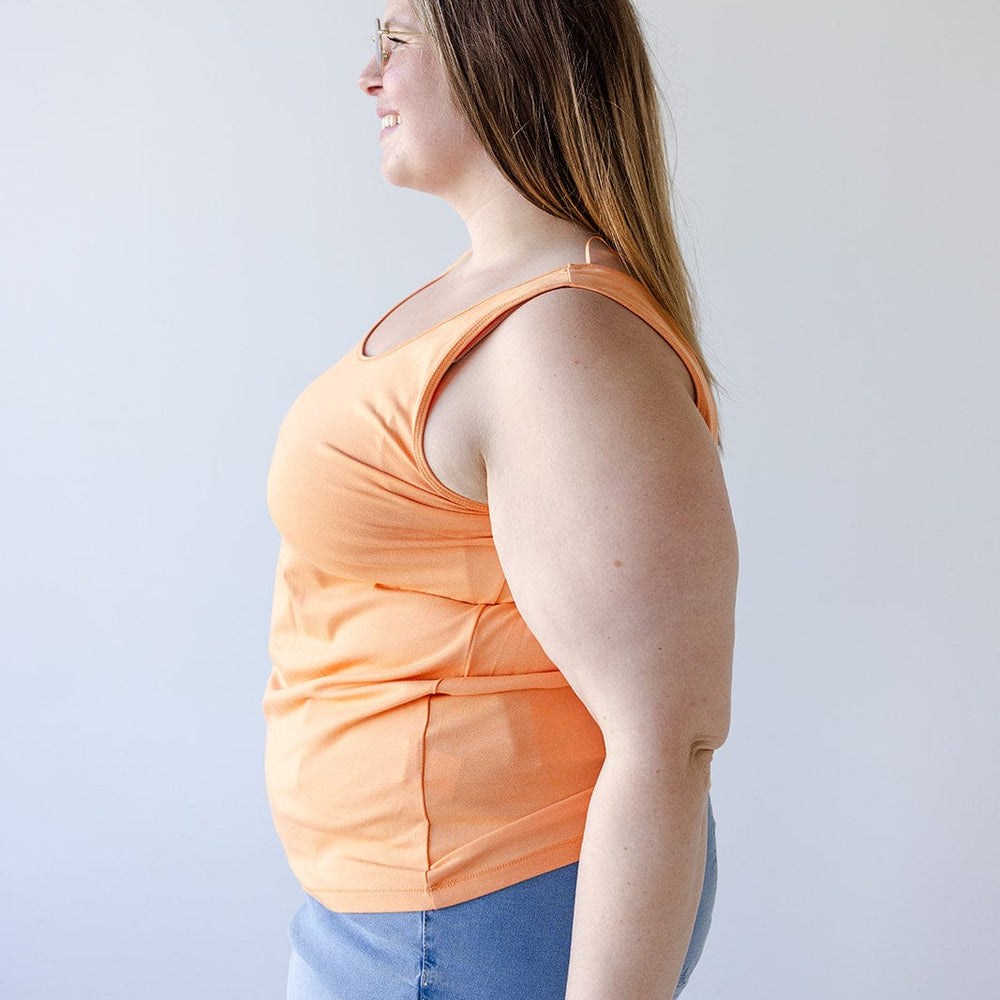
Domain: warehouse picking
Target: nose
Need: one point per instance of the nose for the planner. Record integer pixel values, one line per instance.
(370, 80)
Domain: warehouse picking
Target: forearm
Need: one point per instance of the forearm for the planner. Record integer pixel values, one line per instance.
(640, 878)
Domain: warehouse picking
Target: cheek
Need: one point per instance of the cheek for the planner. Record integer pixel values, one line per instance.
(435, 95)
(445, 125)
(453, 122)
(458, 130)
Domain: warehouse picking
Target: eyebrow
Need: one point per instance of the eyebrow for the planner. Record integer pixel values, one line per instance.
(400, 22)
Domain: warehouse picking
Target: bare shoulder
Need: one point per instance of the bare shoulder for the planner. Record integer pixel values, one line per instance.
(569, 376)
(580, 350)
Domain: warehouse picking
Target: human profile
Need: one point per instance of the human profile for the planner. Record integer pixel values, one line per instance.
(502, 629)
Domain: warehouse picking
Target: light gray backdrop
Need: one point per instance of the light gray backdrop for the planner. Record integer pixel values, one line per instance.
(193, 227)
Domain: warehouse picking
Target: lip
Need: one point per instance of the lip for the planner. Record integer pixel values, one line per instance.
(382, 113)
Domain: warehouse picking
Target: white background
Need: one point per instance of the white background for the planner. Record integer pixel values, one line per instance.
(193, 227)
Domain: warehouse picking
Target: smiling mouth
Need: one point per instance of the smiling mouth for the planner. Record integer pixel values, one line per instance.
(390, 121)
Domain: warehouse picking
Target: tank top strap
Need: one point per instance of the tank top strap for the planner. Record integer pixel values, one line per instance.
(479, 321)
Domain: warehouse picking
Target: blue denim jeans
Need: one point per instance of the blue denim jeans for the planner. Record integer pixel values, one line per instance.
(508, 945)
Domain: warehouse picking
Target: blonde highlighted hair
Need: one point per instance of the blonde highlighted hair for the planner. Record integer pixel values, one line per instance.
(562, 95)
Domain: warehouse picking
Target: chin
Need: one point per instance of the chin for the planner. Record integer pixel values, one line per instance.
(394, 172)
(399, 176)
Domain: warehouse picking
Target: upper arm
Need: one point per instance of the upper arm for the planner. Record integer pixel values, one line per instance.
(610, 516)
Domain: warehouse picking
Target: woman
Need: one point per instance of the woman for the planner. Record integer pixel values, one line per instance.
(502, 629)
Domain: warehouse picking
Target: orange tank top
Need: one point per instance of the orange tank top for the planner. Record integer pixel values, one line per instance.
(421, 748)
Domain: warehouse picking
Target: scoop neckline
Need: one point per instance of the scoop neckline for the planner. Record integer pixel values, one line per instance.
(360, 350)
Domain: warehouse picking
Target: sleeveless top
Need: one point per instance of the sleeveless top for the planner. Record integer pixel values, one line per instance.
(422, 750)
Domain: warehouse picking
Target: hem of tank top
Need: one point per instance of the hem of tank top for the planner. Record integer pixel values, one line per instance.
(359, 350)
(450, 883)
(456, 880)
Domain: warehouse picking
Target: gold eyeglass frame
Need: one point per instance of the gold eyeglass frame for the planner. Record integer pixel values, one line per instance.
(381, 55)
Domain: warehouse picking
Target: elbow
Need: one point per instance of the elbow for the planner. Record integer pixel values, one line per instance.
(701, 747)
(686, 760)
(694, 770)
(686, 736)
(676, 772)
(699, 760)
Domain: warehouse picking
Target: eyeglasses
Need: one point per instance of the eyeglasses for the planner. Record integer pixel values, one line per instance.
(381, 52)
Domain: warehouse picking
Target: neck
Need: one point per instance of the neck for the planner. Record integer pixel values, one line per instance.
(505, 229)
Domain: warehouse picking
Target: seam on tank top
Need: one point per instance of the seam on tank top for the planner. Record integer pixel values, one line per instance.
(472, 640)
(423, 792)
(428, 593)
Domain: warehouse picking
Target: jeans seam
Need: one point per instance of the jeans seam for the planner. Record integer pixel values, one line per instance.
(425, 973)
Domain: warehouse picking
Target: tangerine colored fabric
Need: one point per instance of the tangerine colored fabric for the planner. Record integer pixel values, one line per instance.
(422, 750)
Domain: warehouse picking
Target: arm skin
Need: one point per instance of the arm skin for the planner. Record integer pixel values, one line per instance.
(613, 526)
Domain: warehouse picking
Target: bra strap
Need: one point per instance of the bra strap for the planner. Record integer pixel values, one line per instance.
(604, 241)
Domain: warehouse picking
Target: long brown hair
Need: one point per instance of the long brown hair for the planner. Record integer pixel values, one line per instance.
(563, 98)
